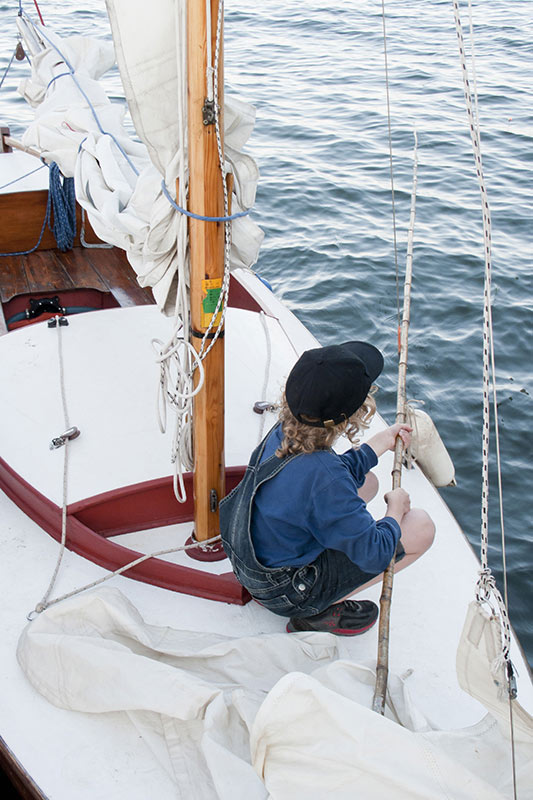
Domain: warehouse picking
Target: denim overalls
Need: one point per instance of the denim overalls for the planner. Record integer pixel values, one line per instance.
(284, 590)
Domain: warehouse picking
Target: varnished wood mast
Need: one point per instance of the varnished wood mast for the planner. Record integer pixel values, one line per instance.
(206, 243)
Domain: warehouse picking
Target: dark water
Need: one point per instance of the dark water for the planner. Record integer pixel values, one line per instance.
(316, 76)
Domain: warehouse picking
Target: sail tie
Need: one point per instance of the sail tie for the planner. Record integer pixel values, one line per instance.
(200, 217)
(42, 35)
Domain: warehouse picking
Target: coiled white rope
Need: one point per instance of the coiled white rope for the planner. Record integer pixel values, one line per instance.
(175, 388)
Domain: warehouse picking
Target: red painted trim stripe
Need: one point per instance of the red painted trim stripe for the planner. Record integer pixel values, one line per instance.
(93, 545)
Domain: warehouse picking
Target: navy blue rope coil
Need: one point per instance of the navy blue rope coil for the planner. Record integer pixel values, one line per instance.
(62, 204)
(63, 208)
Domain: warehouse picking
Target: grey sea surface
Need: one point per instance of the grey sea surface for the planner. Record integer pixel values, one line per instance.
(315, 73)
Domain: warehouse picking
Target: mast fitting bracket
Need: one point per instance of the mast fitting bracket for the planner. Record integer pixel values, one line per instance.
(209, 112)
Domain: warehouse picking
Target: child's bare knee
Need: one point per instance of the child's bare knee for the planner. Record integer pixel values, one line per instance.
(426, 528)
(418, 532)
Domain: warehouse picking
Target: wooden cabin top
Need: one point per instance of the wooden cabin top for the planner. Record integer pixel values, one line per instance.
(49, 271)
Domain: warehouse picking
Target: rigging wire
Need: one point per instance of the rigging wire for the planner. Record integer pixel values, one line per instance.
(391, 167)
(382, 665)
(8, 67)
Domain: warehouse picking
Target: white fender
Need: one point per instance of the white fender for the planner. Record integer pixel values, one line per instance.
(428, 450)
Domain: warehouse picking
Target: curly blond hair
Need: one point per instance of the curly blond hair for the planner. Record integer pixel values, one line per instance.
(300, 438)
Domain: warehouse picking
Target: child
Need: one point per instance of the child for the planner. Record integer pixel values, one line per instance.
(296, 528)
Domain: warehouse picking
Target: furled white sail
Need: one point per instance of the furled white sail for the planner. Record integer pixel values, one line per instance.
(300, 726)
(118, 180)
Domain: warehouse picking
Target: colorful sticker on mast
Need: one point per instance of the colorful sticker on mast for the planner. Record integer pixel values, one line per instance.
(210, 293)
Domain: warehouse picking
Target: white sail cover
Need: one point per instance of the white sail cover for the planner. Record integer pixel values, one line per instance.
(118, 180)
(299, 725)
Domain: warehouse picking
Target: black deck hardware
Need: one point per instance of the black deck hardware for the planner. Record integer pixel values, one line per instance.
(44, 305)
(52, 323)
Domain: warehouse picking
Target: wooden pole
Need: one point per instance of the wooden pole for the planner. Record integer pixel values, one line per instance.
(382, 666)
(8, 143)
(206, 243)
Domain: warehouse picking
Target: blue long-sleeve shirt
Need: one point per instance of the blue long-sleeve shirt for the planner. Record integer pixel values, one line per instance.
(312, 505)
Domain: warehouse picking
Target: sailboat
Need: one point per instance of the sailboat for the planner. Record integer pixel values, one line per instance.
(134, 662)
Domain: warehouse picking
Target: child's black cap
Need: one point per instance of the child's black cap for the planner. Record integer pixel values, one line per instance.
(331, 383)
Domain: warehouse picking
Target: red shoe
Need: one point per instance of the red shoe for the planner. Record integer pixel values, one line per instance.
(349, 618)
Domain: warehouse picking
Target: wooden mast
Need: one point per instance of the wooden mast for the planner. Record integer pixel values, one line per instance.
(206, 243)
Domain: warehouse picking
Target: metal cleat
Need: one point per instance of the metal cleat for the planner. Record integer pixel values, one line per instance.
(263, 405)
(68, 435)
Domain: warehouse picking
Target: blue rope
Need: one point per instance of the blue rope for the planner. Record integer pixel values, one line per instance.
(16, 180)
(198, 216)
(62, 202)
(61, 75)
(64, 208)
(45, 222)
(7, 69)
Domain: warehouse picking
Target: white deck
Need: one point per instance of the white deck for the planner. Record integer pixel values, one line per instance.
(111, 384)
